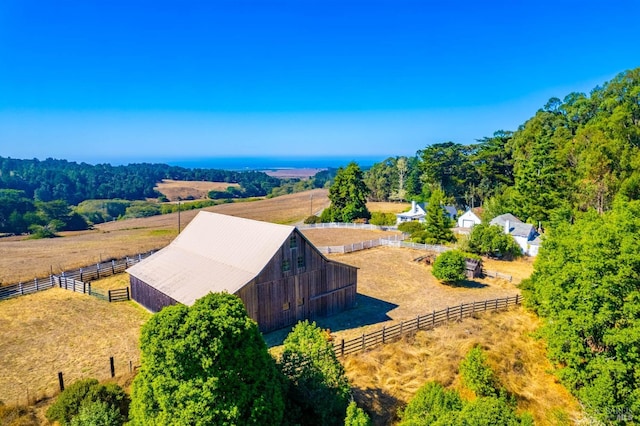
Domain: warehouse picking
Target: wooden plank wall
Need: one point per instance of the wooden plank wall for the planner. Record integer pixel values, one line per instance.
(148, 296)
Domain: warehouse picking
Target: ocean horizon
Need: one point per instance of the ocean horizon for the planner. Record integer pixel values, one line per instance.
(274, 163)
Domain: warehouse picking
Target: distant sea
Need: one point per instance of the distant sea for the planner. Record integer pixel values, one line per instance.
(274, 163)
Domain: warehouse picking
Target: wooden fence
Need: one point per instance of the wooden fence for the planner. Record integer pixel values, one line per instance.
(496, 274)
(114, 295)
(424, 322)
(83, 275)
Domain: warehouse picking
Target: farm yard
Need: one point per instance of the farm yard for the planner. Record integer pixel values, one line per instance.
(58, 330)
(176, 190)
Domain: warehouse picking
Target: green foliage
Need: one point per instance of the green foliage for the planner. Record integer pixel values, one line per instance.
(186, 205)
(97, 413)
(393, 179)
(91, 398)
(318, 389)
(432, 404)
(382, 219)
(586, 284)
(490, 411)
(348, 196)
(142, 209)
(412, 228)
(450, 266)
(477, 375)
(312, 219)
(490, 240)
(205, 364)
(356, 416)
(438, 227)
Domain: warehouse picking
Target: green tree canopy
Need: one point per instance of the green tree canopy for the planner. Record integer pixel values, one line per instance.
(348, 196)
(490, 240)
(318, 387)
(586, 284)
(203, 365)
(450, 266)
(438, 227)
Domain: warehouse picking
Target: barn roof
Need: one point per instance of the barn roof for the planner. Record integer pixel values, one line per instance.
(214, 253)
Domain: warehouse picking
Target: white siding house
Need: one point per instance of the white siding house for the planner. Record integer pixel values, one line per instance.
(468, 219)
(524, 233)
(418, 213)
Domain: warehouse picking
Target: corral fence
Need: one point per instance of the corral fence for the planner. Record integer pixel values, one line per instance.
(496, 274)
(364, 226)
(421, 322)
(81, 278)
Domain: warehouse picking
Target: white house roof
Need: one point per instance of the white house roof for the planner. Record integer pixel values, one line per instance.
(416, 211)
(214, 253)
(517, 228)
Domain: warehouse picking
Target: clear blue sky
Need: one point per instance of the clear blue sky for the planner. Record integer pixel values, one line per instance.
(132, 80)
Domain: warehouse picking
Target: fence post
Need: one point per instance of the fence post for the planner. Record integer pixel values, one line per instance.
(383, 330)
(342, 348)
(447, 313)
(20, 286)
(461, 306)
(433, 318)
(517, 296)
(98, 270)
(113, 367)
(35, 280)
(401, 325)
(418, 322)
(109, 296)
(363, 346)
(485, 304)
(81, 275)
(496, 308)
(113, 267)
(84, 287)
(60, 381)
(89, 285)
(128, 296)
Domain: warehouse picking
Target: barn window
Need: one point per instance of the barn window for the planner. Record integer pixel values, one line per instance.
(300, 261)
(286, 306)
(301, 302)
(293, 242)
(286, 266)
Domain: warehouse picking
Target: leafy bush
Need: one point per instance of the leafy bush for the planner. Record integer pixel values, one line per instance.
(356, 416)
(318, 389)
(142, 209)
(450, 266)
(477, 375)
(411, 228)
(490, 240)
(97, 413)
(382, 219)
(312, 219)
(432, 403)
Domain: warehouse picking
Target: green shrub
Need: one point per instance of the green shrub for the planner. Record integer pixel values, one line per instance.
(356, 416)
(382, 219)
(450, 266)
(490, 240)
(68, 402)
(89, 392)
(411, 228)
(312, 219)
(477, 375)
(97, 413)
(432, 403)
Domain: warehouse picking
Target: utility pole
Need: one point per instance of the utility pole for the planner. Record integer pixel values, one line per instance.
(178, 216)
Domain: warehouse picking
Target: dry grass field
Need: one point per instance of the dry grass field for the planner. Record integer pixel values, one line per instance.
(176, 190)
(58, 330)
(385, 378)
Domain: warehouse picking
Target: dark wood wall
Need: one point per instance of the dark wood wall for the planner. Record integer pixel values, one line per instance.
(148, 296)
(312, 287)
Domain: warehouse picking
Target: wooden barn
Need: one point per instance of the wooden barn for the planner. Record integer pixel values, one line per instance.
(279, 275)
(473, 268)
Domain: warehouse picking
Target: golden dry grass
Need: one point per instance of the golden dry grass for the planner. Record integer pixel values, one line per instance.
(24, 259)
(339, 237)
(58, 330)
(387, 207)
(183, 189)
(386, 377)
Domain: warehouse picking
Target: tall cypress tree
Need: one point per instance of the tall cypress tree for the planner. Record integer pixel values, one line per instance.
(438, 227)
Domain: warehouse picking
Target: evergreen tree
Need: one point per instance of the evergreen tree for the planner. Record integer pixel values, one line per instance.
(438, 226)
(348, 196)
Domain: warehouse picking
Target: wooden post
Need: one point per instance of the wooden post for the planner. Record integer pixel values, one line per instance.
(447, 313)
(517, 296)
(128, 295)
(401, 325)
(81, 275)
(113, 267)
(113, 367)
(473, 307)
(20, 286)
(363, 346)
(461, 306)
(60, 381)
(342, 347)
(496, 308)
(383, 329)
(433, 318)
(35, 280)
(89, 285)
(84, 287)
(98, 270)
(485, 305)
(109, 296)
(418, 322)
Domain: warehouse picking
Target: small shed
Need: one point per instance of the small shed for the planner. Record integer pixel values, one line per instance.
(469, 219)
(473, 268)
(280, 275)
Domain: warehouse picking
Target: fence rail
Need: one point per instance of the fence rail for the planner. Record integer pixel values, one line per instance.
(424, 322)
(82, 275)
(365, 226)
(496, 274)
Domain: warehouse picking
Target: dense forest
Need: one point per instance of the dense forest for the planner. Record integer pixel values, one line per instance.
(573, 155)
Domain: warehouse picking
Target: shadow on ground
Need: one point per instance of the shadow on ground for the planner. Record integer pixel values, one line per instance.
(469, 284)
(381, 406)
(368, 310)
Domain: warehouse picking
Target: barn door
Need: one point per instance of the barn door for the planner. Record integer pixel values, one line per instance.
(302, 296)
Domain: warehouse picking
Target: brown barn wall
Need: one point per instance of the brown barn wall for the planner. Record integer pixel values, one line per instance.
(148, 296)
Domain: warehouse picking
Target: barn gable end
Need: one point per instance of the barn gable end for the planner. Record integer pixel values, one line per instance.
(280, 276)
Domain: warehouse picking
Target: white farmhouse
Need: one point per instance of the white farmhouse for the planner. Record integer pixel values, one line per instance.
(524, 233)
(418, 213)
(468, 219)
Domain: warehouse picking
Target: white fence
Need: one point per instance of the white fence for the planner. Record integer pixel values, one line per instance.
(364, 226)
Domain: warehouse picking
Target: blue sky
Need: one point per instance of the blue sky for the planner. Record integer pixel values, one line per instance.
(122, 81)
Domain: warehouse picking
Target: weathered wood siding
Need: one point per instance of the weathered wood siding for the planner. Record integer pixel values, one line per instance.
(148, 296)
(298, 283)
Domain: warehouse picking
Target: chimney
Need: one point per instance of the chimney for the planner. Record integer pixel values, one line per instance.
(507, 227)
(413, 207)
